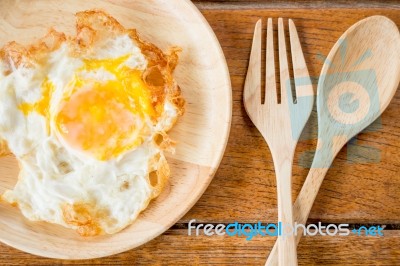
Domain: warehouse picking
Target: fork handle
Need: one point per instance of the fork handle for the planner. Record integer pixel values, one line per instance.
(286, 240)
(302, 206)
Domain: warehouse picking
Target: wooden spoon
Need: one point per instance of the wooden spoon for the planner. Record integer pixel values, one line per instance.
(359, 78)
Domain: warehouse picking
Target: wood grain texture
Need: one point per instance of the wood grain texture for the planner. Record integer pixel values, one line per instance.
(279, 4)
(175, 247)
(244, 186)
(359, 187)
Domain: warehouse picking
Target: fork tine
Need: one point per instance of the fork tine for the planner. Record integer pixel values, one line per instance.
(300, 72)
(270, 82)
(286, 89)
(252, 86)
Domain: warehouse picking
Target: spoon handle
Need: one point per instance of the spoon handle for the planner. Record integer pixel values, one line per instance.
(305, 200)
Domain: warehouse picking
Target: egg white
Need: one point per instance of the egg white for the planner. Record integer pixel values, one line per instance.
(53, 173)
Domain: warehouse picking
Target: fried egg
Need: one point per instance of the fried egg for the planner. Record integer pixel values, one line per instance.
(86, 117)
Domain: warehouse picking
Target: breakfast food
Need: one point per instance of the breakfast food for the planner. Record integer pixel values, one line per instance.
(86, 117)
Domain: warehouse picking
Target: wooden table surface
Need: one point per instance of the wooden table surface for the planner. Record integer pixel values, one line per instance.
(362, 187)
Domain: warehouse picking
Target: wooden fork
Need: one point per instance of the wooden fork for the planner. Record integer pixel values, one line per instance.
(280, 123)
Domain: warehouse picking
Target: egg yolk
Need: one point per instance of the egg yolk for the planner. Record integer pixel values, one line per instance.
(102, 118)
(106, 118)
(96, 122)
(42, 106)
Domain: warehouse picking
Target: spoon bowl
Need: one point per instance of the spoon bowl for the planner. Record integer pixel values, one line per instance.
(357, 82)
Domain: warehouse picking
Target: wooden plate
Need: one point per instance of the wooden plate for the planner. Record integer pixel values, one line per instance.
(201, 133)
